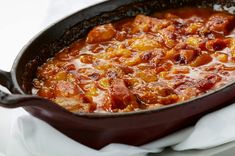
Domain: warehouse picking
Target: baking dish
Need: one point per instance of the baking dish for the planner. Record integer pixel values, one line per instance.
(95, 129)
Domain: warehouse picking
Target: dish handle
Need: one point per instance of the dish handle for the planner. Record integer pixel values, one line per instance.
(12, 100)
(19, 100)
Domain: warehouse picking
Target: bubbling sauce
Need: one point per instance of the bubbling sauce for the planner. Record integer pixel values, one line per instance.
(144, 62)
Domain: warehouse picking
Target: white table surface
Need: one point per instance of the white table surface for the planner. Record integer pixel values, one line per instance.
(20, 21)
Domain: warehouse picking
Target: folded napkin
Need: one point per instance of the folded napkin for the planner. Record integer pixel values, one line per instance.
(33, 137)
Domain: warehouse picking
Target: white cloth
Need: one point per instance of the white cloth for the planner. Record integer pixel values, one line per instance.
(33, 137)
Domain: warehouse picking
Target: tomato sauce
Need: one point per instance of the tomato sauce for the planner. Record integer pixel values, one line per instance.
(144, 62)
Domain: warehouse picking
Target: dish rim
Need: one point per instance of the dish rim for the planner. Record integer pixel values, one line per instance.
(16, 85)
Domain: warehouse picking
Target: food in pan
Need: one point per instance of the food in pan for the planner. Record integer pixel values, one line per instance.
(144, 62)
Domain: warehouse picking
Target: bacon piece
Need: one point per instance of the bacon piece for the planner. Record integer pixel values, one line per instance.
(144, 23)
(101, 33)
(155, 93)
(121, 95)
(208, 82)
(220, 23)
(201, 60)
(188, 55)
(216, 44)
(66, 89)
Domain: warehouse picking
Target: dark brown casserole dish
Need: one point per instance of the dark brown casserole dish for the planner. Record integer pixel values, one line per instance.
(132, 116)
